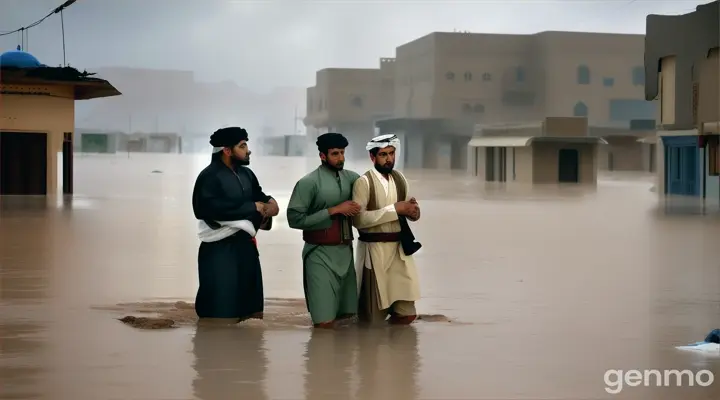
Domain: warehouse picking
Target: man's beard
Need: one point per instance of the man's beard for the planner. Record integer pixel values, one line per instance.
(241, 162)
(339, 167)
(384, 169)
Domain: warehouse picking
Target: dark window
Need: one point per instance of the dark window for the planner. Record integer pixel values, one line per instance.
(450, 75)
(357, 101)
(580, 109)
(583, 75)
(486, 77)
(468, 76)
(638, 76)
(479, 108)
(520, 74)
(608, 82)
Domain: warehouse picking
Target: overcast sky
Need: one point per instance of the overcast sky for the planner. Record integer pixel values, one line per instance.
(266, 43)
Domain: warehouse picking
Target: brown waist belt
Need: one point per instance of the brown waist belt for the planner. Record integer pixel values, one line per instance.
(332, 236)
(377, 237)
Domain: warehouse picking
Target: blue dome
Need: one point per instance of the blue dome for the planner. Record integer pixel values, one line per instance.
(18, 59)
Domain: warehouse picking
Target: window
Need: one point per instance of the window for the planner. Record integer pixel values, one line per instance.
(608, 82)
(583, 75)
(466, 108)
(478, 108)
(357, 101)
(468, 76)
(630, 109)
(520, 74)
(486, 77)
(580, 110)
(713, 154)
(450, 75)
(638, 76)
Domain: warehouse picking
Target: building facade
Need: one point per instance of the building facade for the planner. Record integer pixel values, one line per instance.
(447, 83)
(37, 123)
(350, 101)
(682, 72)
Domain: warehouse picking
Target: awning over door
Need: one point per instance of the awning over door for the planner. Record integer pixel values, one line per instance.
(500, 141)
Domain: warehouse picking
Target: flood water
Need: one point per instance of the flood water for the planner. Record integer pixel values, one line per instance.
(546, 288)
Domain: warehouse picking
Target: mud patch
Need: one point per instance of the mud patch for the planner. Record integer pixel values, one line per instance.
(278, 314)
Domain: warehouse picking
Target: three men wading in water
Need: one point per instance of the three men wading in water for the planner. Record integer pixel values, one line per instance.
(325, 204)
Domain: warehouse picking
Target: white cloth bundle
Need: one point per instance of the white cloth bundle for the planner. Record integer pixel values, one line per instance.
(229, 228)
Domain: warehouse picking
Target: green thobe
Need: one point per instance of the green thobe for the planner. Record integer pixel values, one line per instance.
(329, 275)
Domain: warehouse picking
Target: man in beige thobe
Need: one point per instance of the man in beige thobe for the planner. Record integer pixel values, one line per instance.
(389, 283)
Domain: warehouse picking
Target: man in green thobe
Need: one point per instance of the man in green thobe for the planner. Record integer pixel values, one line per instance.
(320, 206)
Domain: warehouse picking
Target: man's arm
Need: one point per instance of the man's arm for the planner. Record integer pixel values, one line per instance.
(368, 219)
(210, 203)
(300, 200)
(416, 217)
(262, 197)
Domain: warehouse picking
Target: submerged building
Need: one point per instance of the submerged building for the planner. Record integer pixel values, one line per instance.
(682, 70)
(559, 150)
(37, 122)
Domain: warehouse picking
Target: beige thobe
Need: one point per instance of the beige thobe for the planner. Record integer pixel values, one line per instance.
(395, 273)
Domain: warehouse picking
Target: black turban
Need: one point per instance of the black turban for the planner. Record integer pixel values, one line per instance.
(331, 140)
(228, 137)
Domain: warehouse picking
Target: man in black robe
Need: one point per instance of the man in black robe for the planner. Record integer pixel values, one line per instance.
(230, 206)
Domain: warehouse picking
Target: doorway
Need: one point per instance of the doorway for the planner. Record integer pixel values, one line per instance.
(568, 166)
(23, 163)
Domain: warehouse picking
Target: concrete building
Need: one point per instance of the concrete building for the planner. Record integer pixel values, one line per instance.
(682, 71)
(446, 83)
(350, 101)
(559, 150)
(37, 113)
(287, 145)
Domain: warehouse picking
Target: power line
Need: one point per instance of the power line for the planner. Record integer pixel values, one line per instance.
(22, 30)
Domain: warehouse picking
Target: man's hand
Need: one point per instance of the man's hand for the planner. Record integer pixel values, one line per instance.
(406, 208)
(414, 215)
(348, 208)
(261, 208)
(271, 208)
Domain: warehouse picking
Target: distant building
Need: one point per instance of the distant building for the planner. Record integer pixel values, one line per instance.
(350, 101)
(286, 145)
(37, 121)
(558, 150)
(682, 71)
(446, 83)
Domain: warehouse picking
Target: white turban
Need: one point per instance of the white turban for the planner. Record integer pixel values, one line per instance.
(382, 141)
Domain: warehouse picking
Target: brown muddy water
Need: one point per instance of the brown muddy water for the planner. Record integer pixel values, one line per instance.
(547, 289)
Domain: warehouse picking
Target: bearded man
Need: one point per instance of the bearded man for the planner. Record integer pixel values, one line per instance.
(231, 207)
(320, 206)
(385, 244)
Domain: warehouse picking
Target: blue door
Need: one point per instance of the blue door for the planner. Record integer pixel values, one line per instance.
(682, 163)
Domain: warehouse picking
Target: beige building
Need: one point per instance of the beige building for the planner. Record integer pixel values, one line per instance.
(558, 150)
(350, 101)
(682, 64)
(446, 83)
(37, 121)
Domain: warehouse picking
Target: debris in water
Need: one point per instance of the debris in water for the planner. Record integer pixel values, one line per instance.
(433, 318)
(148, 323)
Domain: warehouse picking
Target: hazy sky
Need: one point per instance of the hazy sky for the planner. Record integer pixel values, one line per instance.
(265, 43)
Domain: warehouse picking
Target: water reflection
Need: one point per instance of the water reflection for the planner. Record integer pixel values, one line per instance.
(329, 358)
(388, 362)
(230, 362)
(23, 366)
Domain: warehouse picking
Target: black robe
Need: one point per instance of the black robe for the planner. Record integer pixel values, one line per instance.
(229, 271)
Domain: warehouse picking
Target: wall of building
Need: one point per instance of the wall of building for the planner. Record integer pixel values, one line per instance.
(52, 114)
(545, 161)
(678, 44)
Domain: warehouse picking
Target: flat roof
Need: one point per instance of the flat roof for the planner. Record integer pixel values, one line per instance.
(524, 141)
(84, 86)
